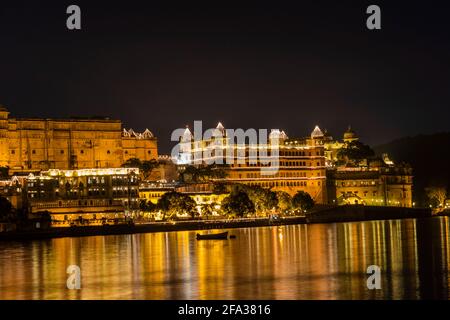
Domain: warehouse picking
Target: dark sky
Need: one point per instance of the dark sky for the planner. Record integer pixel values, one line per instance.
(163, 65)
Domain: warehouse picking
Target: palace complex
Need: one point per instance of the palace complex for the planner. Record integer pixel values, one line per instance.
(32, 145)
(308, 164)
(72, 168)
(300, 165)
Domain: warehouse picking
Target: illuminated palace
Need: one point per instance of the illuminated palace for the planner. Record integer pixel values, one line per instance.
(31, 145)
(311, 165)
(301, 163)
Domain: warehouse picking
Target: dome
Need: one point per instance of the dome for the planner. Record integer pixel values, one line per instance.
(350, 135)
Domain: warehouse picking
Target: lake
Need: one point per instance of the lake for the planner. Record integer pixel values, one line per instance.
(316, 261)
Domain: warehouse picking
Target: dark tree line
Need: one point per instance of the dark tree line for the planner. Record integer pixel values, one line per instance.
(354, 152)
(203, 173)
(242, 201)
(145, 167)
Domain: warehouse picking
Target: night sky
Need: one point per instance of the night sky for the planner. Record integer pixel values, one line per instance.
(162, 65)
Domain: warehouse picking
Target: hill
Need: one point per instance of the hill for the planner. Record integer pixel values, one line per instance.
(429, 155)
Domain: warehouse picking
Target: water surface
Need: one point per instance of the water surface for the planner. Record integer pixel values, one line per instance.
(318, 261)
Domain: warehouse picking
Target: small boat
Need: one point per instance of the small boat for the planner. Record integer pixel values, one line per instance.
(213, 236)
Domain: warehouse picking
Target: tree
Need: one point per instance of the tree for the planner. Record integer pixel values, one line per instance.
(132, 163)
(145, 167)
(5, 209)
(207, 209)
(284, 201)
(174, 202)
(4, 172)
(238, 203)
(302, 201)
(354, 152)
(147, 206)
(46, 216)
(263, 199)
(219, 188)
(203, 173)
(437, 195)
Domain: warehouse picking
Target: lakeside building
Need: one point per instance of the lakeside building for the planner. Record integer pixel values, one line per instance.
(33, 145)
(83, 194)
(376, 183)
(202, 193)
(12, 190)
(376, 180)
(301, 162)
(153, 191)
(311, 164)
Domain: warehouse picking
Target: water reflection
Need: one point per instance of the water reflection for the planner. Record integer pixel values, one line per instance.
(320, 261)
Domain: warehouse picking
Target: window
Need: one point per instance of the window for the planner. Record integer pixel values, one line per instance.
(81, 151)
(108, 152)
(126, 152)
(33, 151)
(62, 151)
(149, 152)
(13, 151)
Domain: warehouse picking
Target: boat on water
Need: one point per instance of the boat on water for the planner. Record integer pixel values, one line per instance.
(213, 236)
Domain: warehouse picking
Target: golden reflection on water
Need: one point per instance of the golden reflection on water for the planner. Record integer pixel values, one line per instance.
(319, 261)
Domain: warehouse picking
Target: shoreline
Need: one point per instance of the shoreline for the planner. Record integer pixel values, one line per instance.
(119, 229)
(353, 213)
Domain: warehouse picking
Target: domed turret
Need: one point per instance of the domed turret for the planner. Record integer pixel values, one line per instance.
(221, 129)
(350, 135)
(184, 153)
(187, 135)
(317, 133)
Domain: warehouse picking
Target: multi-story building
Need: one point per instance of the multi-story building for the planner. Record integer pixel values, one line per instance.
(32, 145)
(12, 189)
(373, 181)
(378, 182)
(300, 162)
(90, 194)
(153, 191)
(311, 165)
(202, 193)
